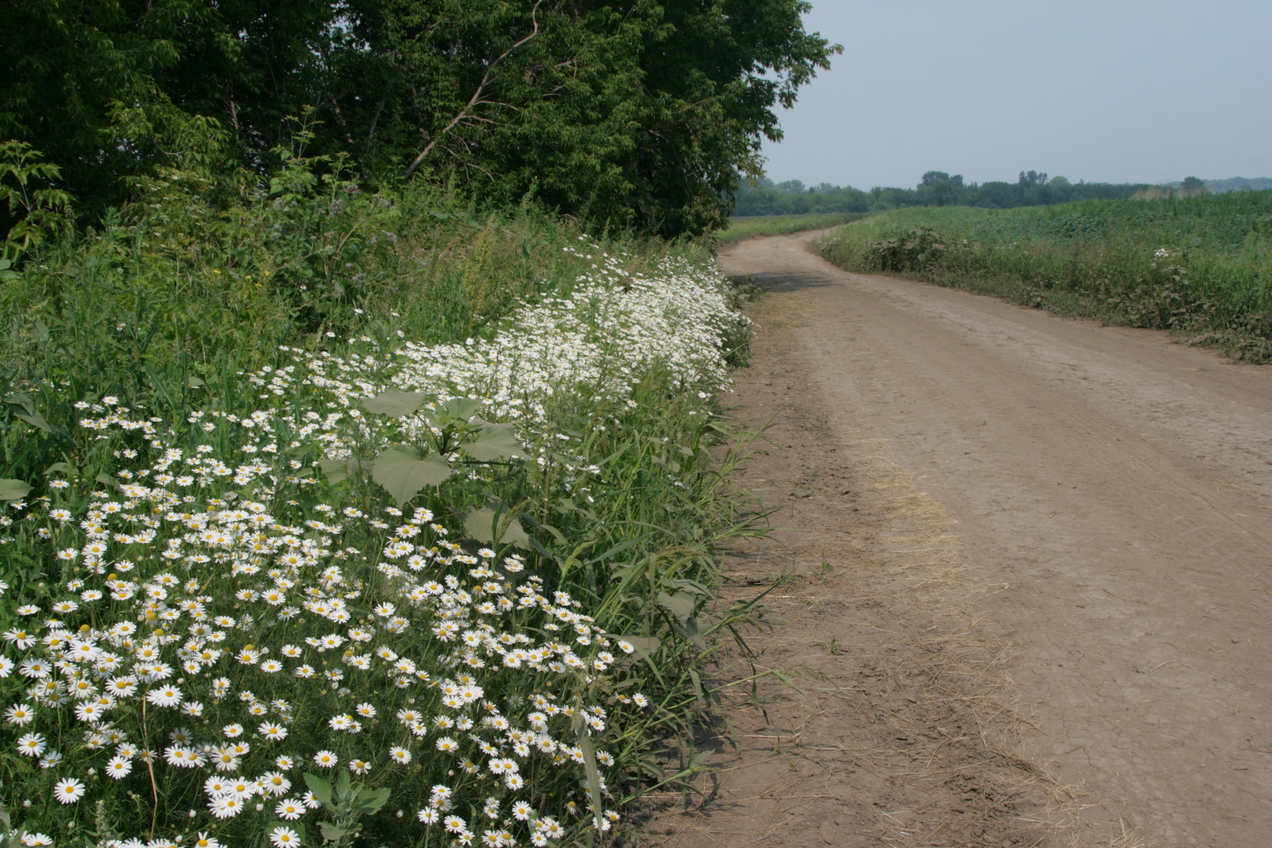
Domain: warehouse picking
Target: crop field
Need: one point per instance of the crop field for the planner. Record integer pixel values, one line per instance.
(330, 516)
(1199, 266)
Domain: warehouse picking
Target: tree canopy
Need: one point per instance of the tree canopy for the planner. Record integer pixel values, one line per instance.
(640, 113)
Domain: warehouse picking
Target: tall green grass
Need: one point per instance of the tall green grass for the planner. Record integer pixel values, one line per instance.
(1200, 266)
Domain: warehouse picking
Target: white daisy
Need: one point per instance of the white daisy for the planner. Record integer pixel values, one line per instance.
(31, 745)
(68, 790)
(284, 837)
(289, 809)
(119, 767)
(226, 806)
(19, 714)
(164, 696)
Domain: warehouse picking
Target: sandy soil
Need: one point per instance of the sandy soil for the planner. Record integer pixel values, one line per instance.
(982, 506)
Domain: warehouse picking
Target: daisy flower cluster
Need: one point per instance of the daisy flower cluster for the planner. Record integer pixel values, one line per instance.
(216, 622)
(595, 344)
(589, 349)
(203, 648)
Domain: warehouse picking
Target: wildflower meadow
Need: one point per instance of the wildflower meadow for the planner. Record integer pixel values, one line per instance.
(383, 586)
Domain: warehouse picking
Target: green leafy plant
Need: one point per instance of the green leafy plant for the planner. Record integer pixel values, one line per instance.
(831, 646)
(913, 250)
(345, 803)
(37, 212)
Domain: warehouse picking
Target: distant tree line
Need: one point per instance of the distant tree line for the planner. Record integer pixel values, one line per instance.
(936, 188)
(1191, 185)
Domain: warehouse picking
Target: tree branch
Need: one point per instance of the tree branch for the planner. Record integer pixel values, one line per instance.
(476, 99)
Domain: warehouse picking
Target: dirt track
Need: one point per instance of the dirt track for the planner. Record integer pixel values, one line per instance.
(1110, 490)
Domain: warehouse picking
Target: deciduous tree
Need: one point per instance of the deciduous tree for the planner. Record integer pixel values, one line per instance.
(628, 112)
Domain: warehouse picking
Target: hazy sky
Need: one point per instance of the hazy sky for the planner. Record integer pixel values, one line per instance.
(1097, 90)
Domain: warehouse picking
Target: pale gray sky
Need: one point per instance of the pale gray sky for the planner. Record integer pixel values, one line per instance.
(1097, 90)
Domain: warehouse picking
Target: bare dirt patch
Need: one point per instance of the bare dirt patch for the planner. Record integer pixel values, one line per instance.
(1017, 553)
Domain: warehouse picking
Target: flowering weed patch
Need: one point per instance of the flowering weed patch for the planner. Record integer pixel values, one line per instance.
(400, 594)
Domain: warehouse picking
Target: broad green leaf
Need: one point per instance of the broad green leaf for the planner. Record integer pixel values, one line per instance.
(331, 833)
(404, 472)
(35, 419)
(480, 524)
(60, 468)
(646, 646)
(485, 523)
(320, 788)
(13, 490)
(22, 409)
(461, 408)
(496, 441)
(19, 402)
(394, 403)
(370, 801)
(335, 470)
(693, 586)
(693, 633)
(681, 605)
(339, 470)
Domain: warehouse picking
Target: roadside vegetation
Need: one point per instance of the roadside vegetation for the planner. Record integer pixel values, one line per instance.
(335, 516)
(1200, 266)
(361, 478)
(740, 229)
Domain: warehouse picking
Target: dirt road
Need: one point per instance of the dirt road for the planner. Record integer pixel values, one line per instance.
(1114, 488)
